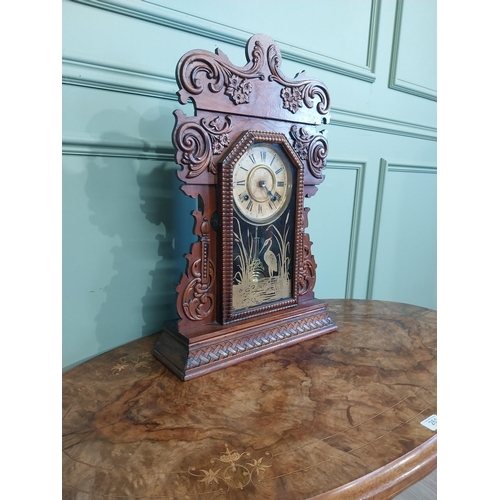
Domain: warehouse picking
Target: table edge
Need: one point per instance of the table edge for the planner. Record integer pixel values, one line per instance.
(391, 479)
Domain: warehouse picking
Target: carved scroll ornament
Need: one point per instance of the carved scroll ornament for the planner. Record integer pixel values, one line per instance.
(220, 73)
(198, 142)
(313, 149)
(258, 88)
(307, 271)
(297, 92)
(198, 298)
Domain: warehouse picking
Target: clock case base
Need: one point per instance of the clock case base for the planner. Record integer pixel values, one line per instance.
(214, 347)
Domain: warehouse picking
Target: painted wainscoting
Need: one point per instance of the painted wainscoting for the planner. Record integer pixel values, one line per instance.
(126, 225)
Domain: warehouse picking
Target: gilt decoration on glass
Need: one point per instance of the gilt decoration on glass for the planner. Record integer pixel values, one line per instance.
(262, 204)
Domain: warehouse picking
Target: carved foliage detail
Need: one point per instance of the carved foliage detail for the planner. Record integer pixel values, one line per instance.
(238, 89)
(218, 132)
(196, 143)
(194, 148)
(198, 299)
(220, 73)
(292, 98)
(297, 92)
(312, 149)
(307, 271)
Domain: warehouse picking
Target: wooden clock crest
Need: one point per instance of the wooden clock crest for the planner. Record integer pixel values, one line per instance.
(250, 155)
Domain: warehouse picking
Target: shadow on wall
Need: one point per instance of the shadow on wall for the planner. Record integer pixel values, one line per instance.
(139, 205)
(164, 205)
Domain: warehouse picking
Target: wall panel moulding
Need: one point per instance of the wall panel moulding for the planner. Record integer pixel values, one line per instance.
(183, 21)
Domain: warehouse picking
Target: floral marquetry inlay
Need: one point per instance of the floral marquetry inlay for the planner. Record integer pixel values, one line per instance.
(142, 360)
(234, 470)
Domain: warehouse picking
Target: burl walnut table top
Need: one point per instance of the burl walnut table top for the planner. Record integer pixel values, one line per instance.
(334, 417)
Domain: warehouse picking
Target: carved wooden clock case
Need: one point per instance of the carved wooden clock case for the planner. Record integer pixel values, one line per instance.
(250, 155)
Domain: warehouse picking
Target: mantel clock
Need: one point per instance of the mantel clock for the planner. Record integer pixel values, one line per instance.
(249, 156)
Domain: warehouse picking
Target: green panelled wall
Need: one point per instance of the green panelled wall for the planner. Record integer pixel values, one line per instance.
(126, 225)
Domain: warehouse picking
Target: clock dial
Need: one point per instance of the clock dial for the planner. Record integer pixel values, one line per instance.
(262, 183)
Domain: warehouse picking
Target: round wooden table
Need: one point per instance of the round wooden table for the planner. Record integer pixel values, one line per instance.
(338, 417)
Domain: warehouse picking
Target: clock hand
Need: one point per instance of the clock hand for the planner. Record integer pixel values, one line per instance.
(262, 183)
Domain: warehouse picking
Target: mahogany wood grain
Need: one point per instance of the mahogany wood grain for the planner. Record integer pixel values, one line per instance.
(236, 107)
(334, 417)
